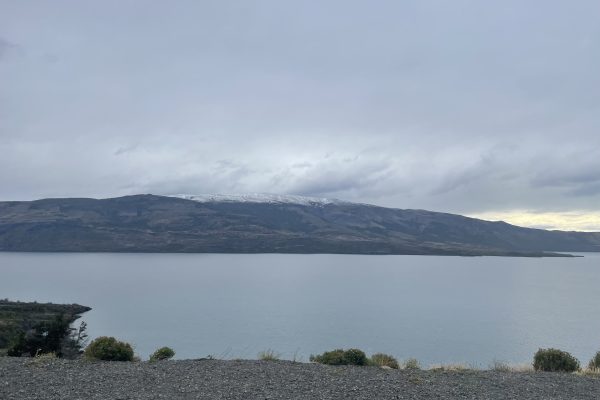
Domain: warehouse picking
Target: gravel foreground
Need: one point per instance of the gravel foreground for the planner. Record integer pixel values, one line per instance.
(216, 379)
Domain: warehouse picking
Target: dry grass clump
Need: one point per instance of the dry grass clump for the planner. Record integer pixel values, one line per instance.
(501, 366)
(384, 360)
(411, 363)
(594, 373)
(42, 360)
(269, 355)
(523, 367)
(594, 364)
(593, 368)
(452, 367)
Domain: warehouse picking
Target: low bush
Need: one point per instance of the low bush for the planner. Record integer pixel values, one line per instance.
(412, 363)
(384, 360)
(109, 349)
(355, 357)
(554, 360)
(341, 357)
(268, 355)
(594, 364)
(334, 357)
(164, 353)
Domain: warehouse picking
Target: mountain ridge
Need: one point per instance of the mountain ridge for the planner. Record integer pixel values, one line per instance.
(150, 223)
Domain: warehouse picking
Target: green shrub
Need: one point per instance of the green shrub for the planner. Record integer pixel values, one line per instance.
(334, 357)
(109, 349)
(554, 360)
(341, 357)
(164, 353)
(595, 362)
(384, 360)
(355, 357)
(412, 363)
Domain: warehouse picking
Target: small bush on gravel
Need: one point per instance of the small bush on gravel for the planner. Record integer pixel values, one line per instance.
(334, 357)
(554, 360)
(384, 360)
(341, 357)
(412, 363)
(164, 353)
(594, 364)
(268, 355)
(355, 357)
(109, 349)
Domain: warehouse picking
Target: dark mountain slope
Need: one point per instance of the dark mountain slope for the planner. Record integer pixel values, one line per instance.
(148, 223)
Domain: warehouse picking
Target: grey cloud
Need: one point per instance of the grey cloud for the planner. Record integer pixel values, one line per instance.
(456, 106)
(336, 177)
(6, 47)
(577, 173)
(494, 165)
(591, 189)
(3, 47)
(125, 149)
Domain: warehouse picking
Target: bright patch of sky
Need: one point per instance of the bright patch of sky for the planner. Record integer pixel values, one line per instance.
(585, 221)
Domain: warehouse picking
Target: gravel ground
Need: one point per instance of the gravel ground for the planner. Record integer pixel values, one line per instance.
(213, 379)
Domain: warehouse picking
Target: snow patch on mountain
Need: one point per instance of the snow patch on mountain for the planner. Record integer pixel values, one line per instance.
(260, 198)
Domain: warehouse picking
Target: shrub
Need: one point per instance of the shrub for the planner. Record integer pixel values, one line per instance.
(355, 357)
(554, 360)
(595, 362)
(268, 355)
(334, 357)
(384, 360)
(341, 357)
(412, 363)
(109, 349)
(164, 353)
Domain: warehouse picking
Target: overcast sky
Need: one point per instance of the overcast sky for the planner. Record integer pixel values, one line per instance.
(474, 107)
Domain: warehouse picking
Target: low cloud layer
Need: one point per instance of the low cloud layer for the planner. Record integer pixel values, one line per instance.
(465, 106)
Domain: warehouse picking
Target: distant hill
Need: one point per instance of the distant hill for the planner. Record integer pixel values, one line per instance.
(264, 224)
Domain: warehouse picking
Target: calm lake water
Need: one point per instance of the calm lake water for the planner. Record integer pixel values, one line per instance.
(437, 309)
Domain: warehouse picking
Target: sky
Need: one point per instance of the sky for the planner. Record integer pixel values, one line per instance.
(489, 109)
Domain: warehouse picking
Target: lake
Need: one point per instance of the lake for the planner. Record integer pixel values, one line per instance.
(437, 309)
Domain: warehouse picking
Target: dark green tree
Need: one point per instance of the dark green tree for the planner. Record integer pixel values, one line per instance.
(54, 336)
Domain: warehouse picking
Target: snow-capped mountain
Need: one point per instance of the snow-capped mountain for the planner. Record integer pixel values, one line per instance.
(258, 223)
(259, 198)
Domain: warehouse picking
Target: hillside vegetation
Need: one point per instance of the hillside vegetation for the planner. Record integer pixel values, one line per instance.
(148, 223)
